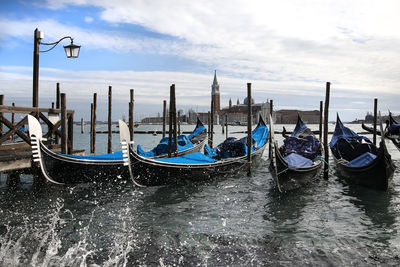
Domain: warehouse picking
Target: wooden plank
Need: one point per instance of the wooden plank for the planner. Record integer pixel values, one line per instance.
(27, 110)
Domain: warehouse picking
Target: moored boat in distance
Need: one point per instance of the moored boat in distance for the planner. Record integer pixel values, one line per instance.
(392, 131)
(298, 161)
(227, 158)
(358, 160)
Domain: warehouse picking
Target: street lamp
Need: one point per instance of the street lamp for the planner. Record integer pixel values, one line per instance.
(71, 51)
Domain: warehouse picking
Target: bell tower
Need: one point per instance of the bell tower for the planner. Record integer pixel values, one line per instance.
(215, 94)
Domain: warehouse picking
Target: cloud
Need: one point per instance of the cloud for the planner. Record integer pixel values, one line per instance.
(88, 19)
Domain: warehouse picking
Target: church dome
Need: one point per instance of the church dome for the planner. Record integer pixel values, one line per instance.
(246, 101)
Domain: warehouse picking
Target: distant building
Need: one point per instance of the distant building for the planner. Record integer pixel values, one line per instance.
(289, 116)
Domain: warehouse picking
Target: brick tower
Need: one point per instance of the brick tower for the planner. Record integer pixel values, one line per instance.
(215, 94)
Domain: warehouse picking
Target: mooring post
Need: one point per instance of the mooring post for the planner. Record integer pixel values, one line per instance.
(375, 118)
(320, 119)
(222, 125)
(109, 146)
(226, 125)
(164, 115)
(212, 122)
(249, 137)
(326, 113)
(91, 127)
(179, 122)
(131, 114)
(170, 120)
(209, 126)
(82, 126)
(1, 114)
(174, 118)
(64, 147)
(94, 121)
(271, 110)
(70, 136)
(58, 104)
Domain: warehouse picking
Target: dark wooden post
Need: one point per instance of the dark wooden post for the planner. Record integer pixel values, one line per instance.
(1, 114)
(58, 104)
(179, 122)
(222, 125)
(35, 89)
(326, 119)
(94, 122)
(91, 128)
(64, 148)
(13, 115)
(131, 114)
(320, 119)
(212, 122)
(209, 126)
(82, 126)
(58, 96)
(109, 145)
(174, 118)
(70, 141)
(375, 118)
(170, 120)
(226, 125)
(249, 137)
(164, 117)
(271, 110)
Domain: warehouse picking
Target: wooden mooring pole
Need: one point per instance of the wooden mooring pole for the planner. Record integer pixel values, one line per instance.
(1, 114)
(320, 119)
(94, 123)
(131, 113)
(109, 143)
(170, 120)
(58, 104)
(91, 127)
(375, 119)
(70, 135)
(326, 119)
(82, 126)
(226, 126)
(249, 137)
(179, 122)
(64, 144)
(212, 122)
(164, 117)
(174, 118)
(271, 110)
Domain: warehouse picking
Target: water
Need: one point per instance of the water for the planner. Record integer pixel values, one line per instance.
(236, 221)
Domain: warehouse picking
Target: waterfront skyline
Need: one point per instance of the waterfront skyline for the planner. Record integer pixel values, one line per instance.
(286, 50)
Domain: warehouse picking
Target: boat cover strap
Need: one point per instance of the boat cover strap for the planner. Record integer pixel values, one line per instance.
(194, 158)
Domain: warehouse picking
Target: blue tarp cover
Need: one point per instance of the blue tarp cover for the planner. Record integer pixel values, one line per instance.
(162, 147)
(194, 158)
(233, 147)
(343, 132)
(113, 156)
(307, 146)
(296, 161)
(198, 130)
(362, 160)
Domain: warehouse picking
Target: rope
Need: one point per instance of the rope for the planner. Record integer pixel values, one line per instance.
(321, 159)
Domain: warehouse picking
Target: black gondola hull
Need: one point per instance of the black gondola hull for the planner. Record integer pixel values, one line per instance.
(291, 179)
(375, 175)
(148, 172)
(64, 170)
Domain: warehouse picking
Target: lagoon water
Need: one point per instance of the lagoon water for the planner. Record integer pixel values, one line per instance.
(237, 221)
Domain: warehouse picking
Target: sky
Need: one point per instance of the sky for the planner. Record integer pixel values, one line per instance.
(287, 50)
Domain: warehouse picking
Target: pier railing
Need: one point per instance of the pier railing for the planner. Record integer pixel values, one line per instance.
(14, 128)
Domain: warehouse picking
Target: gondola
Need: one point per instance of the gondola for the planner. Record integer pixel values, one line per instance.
(227, 158)
(186, 144)
(73, 169)
(392, 131)
(298, 161)
(358, 160)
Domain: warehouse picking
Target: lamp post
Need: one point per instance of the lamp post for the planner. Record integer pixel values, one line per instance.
(71, 51)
